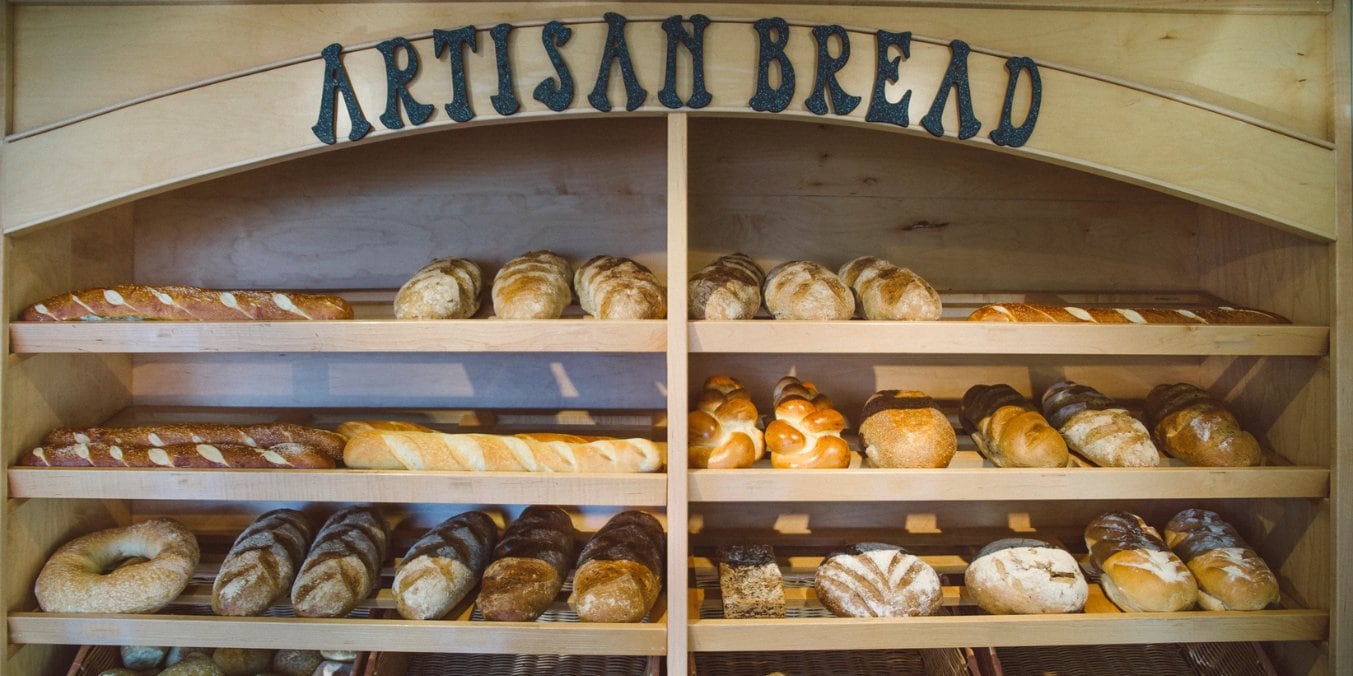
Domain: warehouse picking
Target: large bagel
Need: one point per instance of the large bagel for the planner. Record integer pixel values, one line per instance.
(83, 575)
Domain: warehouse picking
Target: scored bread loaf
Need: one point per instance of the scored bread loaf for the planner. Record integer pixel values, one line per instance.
(529, 566)
(259, 435)
(443, 566)
(534, 285)
(1008, 430)
(806, 432)
(610, 287)
(722, 431)
(1018, 576)
(804, 290)
(619, 573)
(872, 579)
(351, 428)
(903, 428)
(343, 564)
(1097, 427)
(1191, 425)
(1230, 575)
(728, 288)
(446, 288)
(1031, 312)
(501, 453)
(750, 582)
(262, 564)
(887, 292)
(1139, 573)
(195, 456)
(185, 303)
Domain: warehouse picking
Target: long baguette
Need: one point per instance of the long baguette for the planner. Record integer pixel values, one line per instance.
(184, 303)
(261, 435)
(189, 456)
(500, 453)
(1032, 312)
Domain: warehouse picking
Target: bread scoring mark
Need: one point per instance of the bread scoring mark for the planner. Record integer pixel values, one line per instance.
(159, 457)
(1190, 315)
(41, 454)
(1164, 565)
(42, 310)
(1132, 315)
(274, 457)
(82, 452)
(82, 438)
(155, 439)
(77, 301)
(113, 297)
(403, 452)
(1079, 313)
(116, 453)
(283, 301)
(210, 453)
(163, 297)
(229, 300)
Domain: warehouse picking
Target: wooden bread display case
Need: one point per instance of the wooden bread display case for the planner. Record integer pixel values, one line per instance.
(1180, 155)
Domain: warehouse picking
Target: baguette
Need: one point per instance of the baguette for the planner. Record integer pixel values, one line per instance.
(1030, 312)
(534, 285)
(1191, 425)
(1230, 575)
(529, 566)
(351, 428)
(184, 303)
(183, 456)
(261, 565)
(806, 432)
(1008, 430)
(1098, 428)
(804, 290)
(443, 566)
(619, 573)
(610, 287)
(500, 453)
(887, 292)
(259, 435)
(722, 430)
(446, 288)
(343, 564)
(728, 288)
(1140, 574)
(903, 428)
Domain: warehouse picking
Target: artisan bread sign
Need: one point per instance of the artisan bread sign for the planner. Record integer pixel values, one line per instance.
(760, 67)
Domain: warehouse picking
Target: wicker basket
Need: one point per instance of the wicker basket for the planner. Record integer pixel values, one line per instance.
(1176, 659)
(430, 664)
(929, 662)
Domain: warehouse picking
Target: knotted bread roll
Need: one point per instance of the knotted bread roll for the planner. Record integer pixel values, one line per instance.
(806, 432)
(722, 430)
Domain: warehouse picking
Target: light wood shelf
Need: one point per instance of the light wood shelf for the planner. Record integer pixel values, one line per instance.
(338, 485)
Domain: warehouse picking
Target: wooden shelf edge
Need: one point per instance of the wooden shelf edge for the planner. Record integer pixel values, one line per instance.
(467, 335)
(342, 485)
(1007, 630)
(962, 337)
(875, 484)
(564, 638)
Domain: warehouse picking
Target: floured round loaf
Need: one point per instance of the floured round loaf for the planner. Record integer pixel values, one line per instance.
(1018, 576)
(872, 579)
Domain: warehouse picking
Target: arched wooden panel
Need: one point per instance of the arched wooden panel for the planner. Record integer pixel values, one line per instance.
(265, 116)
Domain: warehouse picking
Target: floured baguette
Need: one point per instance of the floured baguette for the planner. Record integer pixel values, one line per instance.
(1032, 312)
(500, 453)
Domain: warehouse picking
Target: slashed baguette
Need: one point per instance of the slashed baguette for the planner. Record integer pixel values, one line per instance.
(500, 453)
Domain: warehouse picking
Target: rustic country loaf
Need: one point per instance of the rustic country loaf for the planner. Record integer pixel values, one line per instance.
(529, 566)
(903, 428)
(261, 566)
(1097, 427)
(343, 564)
(443, 566)
(1017, 576)
(446, 288)
(1008, 430)
(610, 287)
(534, 285)
(887, 292)
(619, 574)
(1191, 425)
(1230, 574)
(728, 288)
(804, 290)
(1140, 574)
(877, 580)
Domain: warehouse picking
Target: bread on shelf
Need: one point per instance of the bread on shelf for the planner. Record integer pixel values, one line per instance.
(446, 288)
(529, 566)
(728, 288)
(620, 569)
(138, 568)
(887, 292)
(1230, 574)
(877, 580)
(806, 432)
(343, 565)
(1020, 576)
(1008, 430)
(185, 303)
(438, 451)
(534, 285)
(1190, 424)
(1097, 427)
(611, 287)
(750, 582)
(804, 290)
(722, 431)
(1139, 573)
(1033, 312)
(903, 428)
(441, 568)
(262, 563)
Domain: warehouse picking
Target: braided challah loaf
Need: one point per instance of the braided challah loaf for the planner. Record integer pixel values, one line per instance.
(728, 288)
(806, 432)
(610, 287)
(722, 430)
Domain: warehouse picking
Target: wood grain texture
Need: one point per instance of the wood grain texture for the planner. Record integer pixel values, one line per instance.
(678, 373)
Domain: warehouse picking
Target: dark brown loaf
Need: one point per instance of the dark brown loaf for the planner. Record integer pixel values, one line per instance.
(529, 566)
(728, 288)
(190, 456)
(1191, 425)
(1230, 575)
(619, 573)
(1097, 427)
(1008, 430)
(343, 564)
(185, 303)
(877, 580)
(902, 428)
(1140, 574)
(262, 564)
(262, 435)
(1031, 312)
(443, 566)
(610, 287)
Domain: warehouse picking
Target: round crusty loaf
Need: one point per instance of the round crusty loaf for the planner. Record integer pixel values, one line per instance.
(872, 579)
(902, 428)
(805, 290)
(887, 292)
(728, 288)
(158, 557)
(447, 288)
(1018, 576)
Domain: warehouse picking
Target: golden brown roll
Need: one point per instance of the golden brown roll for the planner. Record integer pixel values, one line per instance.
(806, 432)
(1230, 575)
(1191, 425)
(722, 431)
(1140, 574)
(902, 428)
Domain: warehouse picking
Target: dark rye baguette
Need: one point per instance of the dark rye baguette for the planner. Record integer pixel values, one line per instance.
(1230, 574)
(529, 566)
(620, 569)
(1009, 430)
(1031, 312)
(728, 288)
(343, 564)
(184, 456)
(262, 564)
(1189, 424)
(260, 435)
(443, 566)
(184, 303)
